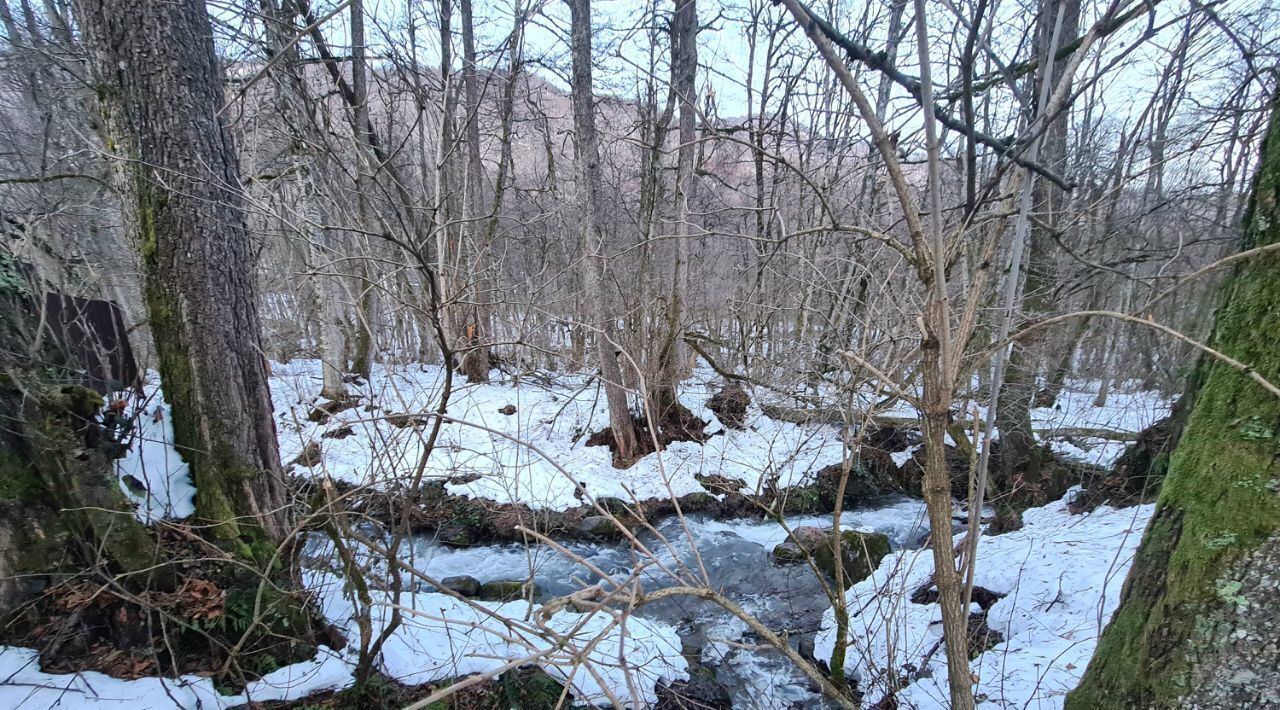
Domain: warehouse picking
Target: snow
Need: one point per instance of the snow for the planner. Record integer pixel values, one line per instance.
(24, 685)
(442, 637)
(1130, 411)
(1062, 575)
(900, 458)
(153, 460)
(535, 455)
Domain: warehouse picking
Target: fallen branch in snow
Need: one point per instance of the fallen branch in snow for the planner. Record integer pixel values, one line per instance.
(1074, 432)
(833, 415)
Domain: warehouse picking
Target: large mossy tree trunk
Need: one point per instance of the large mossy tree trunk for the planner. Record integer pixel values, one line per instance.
(61, 506)
(1200, 612)
(160, 85)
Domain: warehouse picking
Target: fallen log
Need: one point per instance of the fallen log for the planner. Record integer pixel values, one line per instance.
(832, 415)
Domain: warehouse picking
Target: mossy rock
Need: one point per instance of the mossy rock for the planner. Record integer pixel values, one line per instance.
(787, 553)
(700, 502)
(616, 506)
(601, 526)
(507, 590)
(860, 553)
(801, 500)
(455, 535)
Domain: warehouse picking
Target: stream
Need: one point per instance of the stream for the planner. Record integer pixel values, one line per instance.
(736, 557)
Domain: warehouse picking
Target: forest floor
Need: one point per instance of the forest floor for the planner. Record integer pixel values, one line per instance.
(1059, 575)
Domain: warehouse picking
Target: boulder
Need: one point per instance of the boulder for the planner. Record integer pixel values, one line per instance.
(455, 535)
(860, 552)
(310, 456)
(463, 584)
(599, 526)
(787, 553)
(617, 506)
(326, 409)
(730, 405)
(341, 432)
(860, 487)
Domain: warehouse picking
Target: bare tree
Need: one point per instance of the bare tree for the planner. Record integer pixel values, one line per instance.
(592, 261)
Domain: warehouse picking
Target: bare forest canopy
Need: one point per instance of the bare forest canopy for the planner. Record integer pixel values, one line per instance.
(794, 239)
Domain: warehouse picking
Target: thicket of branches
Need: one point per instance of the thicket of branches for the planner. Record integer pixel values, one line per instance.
(841, 197)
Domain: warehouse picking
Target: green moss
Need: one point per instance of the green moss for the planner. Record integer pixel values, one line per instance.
(215, 471)
(18, 480)
(80, 401)
(1219, 500)
(860, 554)
(505, 591)
(529, 690)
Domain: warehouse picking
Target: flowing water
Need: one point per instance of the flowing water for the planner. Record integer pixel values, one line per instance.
(736, 560)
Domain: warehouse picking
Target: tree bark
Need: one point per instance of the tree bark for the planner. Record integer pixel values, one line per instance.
(1200, 610)
(1019, 453)
(305, 166)
(475, 362)
(366, 318)
(593, 263)
(664, 396)
(161, 85)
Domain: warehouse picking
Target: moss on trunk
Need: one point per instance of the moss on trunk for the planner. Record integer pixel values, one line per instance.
(61, 506)
(1183, 607)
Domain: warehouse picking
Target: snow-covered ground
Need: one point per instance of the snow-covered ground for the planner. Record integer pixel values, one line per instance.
(441, 638)
(24, 685)
(535, 455)
(153, 462)
(1061, 575)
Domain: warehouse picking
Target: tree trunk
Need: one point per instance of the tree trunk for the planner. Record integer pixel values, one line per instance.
(367, 305)
(684, 70)
(306, 167)
(1200, 610)
(160, 83)
(1019, 453)
(475, 362)
(593, 261)
(60, 501)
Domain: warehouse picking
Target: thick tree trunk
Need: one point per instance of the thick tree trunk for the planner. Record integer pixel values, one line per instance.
(593, 261)
(160, 83)
(1200, 611)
